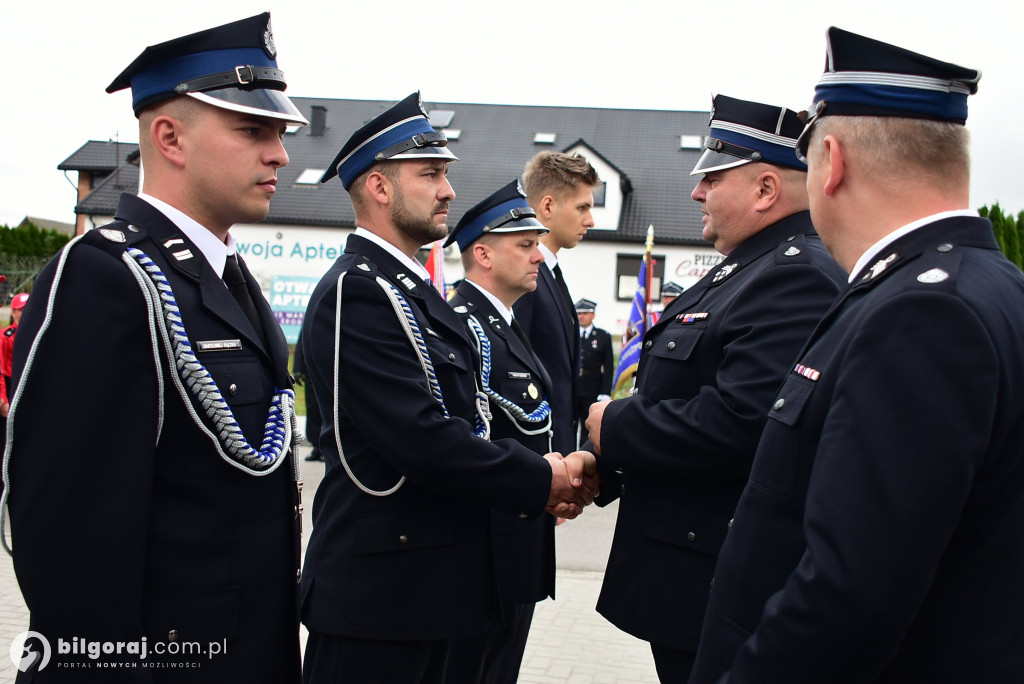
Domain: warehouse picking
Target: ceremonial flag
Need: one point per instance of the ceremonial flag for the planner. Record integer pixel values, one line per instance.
(435, 267)
(639, 321)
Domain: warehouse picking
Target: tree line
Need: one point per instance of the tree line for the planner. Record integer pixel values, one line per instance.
(1009, 231)
(29, 239)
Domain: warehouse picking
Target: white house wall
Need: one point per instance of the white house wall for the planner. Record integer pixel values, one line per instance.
(589, 270)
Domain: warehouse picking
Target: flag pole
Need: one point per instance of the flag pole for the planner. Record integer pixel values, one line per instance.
(650, 270)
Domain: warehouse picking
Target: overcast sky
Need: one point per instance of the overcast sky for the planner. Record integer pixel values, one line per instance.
(664, 54)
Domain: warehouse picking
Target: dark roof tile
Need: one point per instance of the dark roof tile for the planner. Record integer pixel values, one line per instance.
(97, 155)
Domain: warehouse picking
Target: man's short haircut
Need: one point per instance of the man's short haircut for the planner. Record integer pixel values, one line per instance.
(553, 173)
(388, 167)
(185, 109)
(903, 149)
(468, 260)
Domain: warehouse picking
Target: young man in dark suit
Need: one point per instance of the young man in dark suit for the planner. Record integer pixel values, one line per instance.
(682, 444)
(498, 240)
(399, 562)
(164, 505)
(560, 188)
(880, 536)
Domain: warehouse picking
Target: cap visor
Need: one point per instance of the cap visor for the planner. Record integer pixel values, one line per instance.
(716, 161)
(272, 104)
(430, 151)
(528, 223)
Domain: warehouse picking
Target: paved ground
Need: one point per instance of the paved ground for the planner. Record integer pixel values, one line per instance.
(569, 642)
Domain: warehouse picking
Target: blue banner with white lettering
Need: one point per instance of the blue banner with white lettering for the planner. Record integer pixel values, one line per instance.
(289, 296)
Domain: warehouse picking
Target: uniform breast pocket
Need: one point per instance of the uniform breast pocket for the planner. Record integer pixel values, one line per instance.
(791, 399)
(777, 476)
(240, 380)
(524, 392)
(445, 357)
(676, 343)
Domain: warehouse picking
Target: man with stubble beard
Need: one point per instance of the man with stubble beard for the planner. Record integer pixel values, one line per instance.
(399, 562)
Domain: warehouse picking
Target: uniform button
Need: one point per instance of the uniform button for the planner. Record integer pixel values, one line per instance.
(402, 539)
(945, 247)
(691, 536)
(779, 403)
(648, 344)
(232, 389)
(728, 525)
(791, 238)
(523, 516)
(671, 346)
(298, 575)
(133, 228)
(172, 635)
(524, 395)
(451, 357)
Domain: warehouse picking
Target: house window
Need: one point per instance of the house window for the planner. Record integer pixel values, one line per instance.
(545, 138)
(691, 142)
(309, 177)
(441, 118)
(96, 177)
(599, 193)
(627, 267)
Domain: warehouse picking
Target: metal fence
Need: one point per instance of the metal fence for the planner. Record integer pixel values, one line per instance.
(20, 272)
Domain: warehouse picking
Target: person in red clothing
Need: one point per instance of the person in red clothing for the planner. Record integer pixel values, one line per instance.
(7, 352)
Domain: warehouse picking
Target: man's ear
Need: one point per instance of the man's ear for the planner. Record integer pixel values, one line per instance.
(835, 160)
(482, 255)
(546, 206)
(379, 188)
(769, 189)
(168, 135)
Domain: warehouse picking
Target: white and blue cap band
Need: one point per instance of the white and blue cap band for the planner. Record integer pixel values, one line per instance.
(866, 77)
(402, 132)
(505, 211)
(744, 132)
(584, 305)
(231, 66)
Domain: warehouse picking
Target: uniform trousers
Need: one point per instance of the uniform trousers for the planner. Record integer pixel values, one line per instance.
(495, 656)
(673, 665)
(369, 661)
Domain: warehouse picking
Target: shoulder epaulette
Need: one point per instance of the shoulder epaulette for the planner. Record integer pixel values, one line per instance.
(363, 267)
(793, 250)
(114, 237)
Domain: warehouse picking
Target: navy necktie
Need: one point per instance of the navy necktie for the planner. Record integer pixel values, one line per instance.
(566, 297)
(235, 281)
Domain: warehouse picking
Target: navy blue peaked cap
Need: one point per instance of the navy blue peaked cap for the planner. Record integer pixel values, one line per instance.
(402, 132)
(232, 66)
(744, 131)
(671, 289)
(505, 211)
(585, 306)
(866, 77)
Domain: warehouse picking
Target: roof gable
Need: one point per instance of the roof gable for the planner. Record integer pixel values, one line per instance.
(97, 155)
